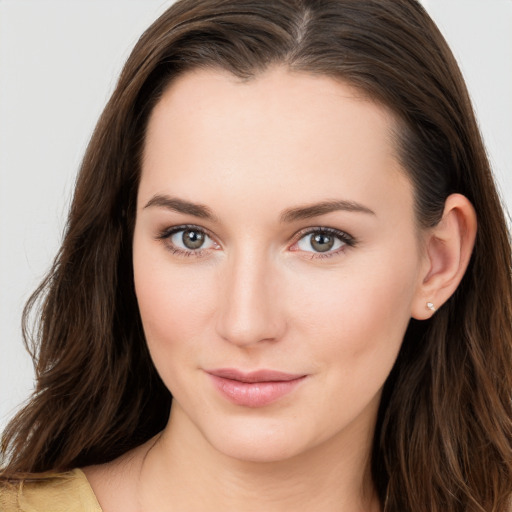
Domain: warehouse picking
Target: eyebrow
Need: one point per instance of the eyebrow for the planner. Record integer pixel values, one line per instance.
(317, 209)
(287, 216)
(181, 206)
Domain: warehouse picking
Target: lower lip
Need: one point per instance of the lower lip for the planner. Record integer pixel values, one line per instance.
(254, 394)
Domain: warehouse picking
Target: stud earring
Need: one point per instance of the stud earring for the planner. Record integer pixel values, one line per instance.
(431, 306)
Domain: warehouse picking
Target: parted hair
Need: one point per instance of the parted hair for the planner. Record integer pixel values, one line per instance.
(443, 438)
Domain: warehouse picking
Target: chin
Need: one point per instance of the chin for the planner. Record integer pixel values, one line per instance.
(258, 451)
(261, 441)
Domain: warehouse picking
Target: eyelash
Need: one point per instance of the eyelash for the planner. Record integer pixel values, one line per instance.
(348, 240)
(345, 238)
(166, 234)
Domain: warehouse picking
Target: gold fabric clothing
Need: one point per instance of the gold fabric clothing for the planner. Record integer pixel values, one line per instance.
(61, 492)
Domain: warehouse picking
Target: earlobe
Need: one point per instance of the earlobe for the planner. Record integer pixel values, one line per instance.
(448, 251)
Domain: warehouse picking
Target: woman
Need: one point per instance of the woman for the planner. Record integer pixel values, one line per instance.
(276, 223)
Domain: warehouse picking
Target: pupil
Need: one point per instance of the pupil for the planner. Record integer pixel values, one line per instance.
(192, 239)
(321, 242)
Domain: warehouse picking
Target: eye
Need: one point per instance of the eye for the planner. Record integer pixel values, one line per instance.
(324, 240)
(187, 240)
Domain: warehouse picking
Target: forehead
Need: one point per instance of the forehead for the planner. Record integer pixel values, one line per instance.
(281, 135)
(209, 100)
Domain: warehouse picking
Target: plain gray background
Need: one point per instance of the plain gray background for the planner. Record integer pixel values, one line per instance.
(59, 60)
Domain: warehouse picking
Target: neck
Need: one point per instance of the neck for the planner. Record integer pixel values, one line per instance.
(183, 471)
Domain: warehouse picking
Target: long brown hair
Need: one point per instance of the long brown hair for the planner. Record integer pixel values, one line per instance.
(443, 440)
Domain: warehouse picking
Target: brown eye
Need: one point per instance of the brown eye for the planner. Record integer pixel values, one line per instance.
(324, 240)
(193, 239)
(187, 240)
(321, 242)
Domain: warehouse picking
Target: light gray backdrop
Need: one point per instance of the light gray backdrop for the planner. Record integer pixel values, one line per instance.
(58, 63)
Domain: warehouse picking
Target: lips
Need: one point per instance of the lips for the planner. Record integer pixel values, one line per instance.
(253, 389)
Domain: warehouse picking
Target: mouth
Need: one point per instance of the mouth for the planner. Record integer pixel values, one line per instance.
(254, 389)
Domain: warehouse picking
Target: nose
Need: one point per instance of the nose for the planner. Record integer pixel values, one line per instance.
(249, 311)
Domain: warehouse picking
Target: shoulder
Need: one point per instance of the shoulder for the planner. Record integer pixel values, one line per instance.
(58, 492)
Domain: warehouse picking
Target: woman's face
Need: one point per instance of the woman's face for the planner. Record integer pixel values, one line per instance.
(276, 259)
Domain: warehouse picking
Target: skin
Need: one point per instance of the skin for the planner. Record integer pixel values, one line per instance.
(258, 295)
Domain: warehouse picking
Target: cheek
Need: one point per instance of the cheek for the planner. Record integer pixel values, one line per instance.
(355, 317)
(174, 303)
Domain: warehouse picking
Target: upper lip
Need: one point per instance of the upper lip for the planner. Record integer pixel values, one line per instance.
(254, 376)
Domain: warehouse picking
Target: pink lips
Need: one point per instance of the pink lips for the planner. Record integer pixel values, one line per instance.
(254, 389)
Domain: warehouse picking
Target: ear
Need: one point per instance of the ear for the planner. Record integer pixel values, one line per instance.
(448, 248)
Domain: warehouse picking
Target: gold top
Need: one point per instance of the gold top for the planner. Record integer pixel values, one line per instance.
(60, 492)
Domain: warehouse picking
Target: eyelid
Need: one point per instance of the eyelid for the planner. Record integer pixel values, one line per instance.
(166, 234)
(347, 239)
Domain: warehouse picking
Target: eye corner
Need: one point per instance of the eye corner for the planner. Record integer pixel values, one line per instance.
(179, 247)
(340, 241)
